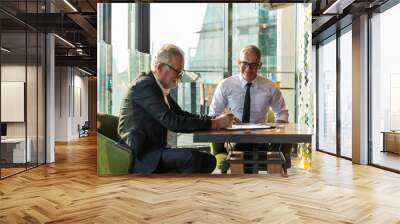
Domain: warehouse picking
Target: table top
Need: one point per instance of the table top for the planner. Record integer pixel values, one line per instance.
(282, 133)
(391, 132)
(13, 140)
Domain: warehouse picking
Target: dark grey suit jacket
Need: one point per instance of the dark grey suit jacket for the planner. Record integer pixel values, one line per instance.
(145, 118)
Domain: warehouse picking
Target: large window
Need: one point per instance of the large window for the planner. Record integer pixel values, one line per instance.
(119, 62)
(327, 96)
(201, 35)
(334, 59)
(385, 103)
(208, 39)
(268, 28)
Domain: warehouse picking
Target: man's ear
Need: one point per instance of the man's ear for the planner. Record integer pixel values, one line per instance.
(158, 67)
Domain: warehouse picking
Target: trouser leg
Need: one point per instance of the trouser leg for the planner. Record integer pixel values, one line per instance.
(185, 161)
(286, 149)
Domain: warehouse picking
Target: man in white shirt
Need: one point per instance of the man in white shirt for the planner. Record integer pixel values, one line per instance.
(249, 96)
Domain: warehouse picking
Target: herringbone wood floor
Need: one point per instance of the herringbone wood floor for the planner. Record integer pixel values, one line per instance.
(69, 191)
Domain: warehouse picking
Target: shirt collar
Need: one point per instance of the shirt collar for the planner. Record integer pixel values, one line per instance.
(164, 90)
(243, 82)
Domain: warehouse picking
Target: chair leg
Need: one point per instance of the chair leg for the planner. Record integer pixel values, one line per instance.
(284, 171)
(274, 168)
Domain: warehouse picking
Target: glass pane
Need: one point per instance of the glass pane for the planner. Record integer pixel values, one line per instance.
(13, 85)
(256, 25)
(201, 35)
(119, 42)
(346, 94)
(119, 62)
(31, 98)
(32, 85)
(41, 79)
(103, 61)
(327, 97)
(386, 89)
(267, 27)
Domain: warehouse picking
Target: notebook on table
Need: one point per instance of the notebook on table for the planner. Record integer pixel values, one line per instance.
(249, 127)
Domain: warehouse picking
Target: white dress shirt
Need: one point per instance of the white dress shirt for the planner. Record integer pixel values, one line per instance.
(230, 94)
(164, 90)
(171, 136)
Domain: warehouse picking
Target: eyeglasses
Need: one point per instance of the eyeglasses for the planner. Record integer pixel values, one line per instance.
(250, 65)
(179, 73)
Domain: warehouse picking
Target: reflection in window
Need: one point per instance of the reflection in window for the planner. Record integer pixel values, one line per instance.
(202, 39)
(346, 94)
(385, 86)
(327, 97)
(201, 35)
(119, 62)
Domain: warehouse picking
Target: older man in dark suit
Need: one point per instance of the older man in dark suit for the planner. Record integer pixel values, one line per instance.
(148, 112)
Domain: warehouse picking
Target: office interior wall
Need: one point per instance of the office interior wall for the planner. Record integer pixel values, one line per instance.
(16, 73)
(71, 102)
(62, 112)
(33, 126)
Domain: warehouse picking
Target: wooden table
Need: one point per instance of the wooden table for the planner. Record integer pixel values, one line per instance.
(282, 133)
(391, 141)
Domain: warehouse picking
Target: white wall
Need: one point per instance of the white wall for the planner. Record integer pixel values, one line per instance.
(33, 126)
(71, 102)
(16, 73)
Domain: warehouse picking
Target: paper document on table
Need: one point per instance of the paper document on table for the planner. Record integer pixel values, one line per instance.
(249, 126)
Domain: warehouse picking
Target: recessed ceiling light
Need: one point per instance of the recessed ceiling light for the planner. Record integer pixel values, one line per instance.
(338, 6)
(64, 40)
(70, 5)
(84, 71)
(5, 50)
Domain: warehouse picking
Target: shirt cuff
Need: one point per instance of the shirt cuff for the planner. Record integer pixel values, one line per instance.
(282, 117)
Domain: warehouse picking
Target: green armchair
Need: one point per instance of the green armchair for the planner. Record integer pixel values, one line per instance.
(112, 156)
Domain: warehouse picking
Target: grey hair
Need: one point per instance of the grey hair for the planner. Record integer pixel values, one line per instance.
(253, 49)
(166, 52)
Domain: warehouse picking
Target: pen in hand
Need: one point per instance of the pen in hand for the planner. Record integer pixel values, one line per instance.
(235, 119)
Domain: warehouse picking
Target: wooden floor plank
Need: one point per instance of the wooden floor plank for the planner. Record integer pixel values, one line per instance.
(69, 191)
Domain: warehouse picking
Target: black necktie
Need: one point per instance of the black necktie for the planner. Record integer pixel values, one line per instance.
(246, 106)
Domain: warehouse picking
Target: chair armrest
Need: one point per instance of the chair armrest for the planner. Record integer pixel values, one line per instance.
(113, 157)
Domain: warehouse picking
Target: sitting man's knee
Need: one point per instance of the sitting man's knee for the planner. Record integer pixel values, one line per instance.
(210, 164)
(203, 162)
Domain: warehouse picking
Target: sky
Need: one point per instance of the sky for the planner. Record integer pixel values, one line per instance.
(169, 23)
(176, 24)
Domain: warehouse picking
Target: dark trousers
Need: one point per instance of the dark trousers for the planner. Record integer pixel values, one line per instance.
(185, 160)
